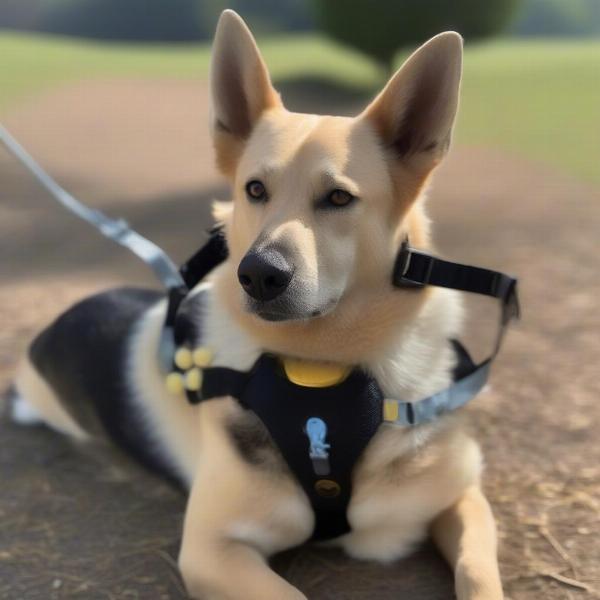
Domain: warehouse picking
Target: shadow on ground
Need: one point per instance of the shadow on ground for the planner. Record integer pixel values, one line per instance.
(92, 526)
(63, 244)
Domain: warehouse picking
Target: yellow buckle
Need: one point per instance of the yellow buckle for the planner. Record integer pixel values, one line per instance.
(314, 374)
(390, 410)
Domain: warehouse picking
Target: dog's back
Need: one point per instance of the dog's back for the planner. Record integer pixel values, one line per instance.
(82, 362)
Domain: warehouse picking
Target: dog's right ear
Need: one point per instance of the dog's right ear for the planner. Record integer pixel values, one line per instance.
(240, 89)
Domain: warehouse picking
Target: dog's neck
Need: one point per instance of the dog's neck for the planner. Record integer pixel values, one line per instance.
(401, 336)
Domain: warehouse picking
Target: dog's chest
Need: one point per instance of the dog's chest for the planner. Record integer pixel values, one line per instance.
(347, 414)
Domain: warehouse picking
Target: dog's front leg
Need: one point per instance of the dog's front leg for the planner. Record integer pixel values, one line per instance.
(466, 535)
(238, 514)
(215, 566)
(217, 569)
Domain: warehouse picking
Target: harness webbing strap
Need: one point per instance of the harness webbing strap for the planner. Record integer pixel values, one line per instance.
(446, 401)
(417, 269)
(219, 382)
(115, 229)
(192, 272)
(211, 255)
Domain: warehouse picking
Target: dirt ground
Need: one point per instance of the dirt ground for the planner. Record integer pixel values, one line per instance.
(91, 525)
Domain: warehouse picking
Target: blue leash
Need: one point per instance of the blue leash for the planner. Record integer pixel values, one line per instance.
(116, 230)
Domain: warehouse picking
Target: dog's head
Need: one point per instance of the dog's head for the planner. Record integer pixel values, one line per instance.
(320, 202)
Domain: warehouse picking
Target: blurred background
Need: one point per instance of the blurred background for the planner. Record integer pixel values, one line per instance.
(524, 57)
(110, 96)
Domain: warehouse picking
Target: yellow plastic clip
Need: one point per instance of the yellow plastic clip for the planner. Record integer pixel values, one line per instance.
(390, 410)
(314, 374)
(193, 380)
(183, 358)
(202, 356)
(174, 383)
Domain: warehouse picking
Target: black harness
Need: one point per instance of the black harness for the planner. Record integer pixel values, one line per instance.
(321, 432)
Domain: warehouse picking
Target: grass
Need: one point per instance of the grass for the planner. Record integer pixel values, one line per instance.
(539, 99)
(30, 63)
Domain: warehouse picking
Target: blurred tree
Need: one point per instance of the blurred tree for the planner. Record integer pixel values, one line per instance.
(381, 28)
(150, 20)
(263, 16)
(155, 20)
(558, 18)
(20, 14)
(274, 15)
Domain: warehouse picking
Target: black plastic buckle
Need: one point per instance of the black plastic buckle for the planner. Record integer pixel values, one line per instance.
(404, 261)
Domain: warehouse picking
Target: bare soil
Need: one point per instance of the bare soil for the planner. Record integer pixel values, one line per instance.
(91, 525)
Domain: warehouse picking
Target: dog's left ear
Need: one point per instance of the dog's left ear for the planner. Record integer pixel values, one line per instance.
(415, 112)
(240, 89)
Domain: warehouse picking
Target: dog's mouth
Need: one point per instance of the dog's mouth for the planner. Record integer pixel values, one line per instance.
(277, 311)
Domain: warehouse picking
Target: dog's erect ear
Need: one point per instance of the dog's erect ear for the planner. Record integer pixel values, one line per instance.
(414, 113)
(240, 88)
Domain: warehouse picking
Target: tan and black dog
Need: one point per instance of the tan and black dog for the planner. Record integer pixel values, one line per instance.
(320, 207)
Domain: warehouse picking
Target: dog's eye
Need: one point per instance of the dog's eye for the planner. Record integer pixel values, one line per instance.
(256, 191)
(339, 198)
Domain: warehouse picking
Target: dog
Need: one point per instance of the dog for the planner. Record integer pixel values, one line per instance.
(320, 206)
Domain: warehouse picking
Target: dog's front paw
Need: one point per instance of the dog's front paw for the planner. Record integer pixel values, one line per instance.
(230, 579)
(478, 581)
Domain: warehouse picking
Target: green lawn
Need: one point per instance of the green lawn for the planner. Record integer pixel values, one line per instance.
(540, 99)
(29, 63)
(537, 98)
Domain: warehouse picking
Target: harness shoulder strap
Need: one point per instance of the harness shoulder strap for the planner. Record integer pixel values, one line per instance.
(192, 272)
(414, 269)
(417, 269)
(211, 255)
(220, 381)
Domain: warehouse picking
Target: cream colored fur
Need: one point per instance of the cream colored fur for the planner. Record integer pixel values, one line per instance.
(37, 402)
(408, 480)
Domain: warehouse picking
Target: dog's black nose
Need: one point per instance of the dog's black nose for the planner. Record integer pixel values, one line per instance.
(264, 275)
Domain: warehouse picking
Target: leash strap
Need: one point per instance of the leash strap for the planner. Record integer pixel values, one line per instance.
(115, 229)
